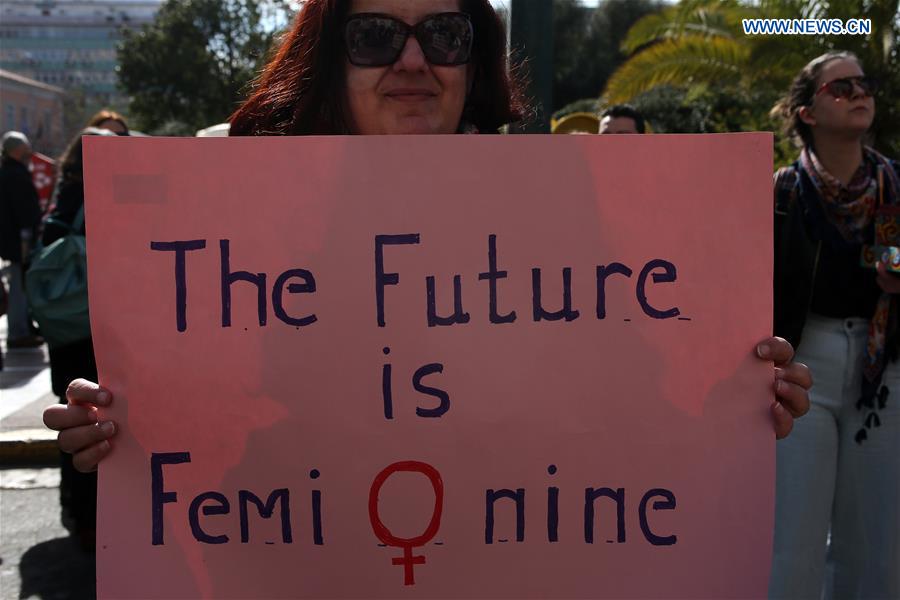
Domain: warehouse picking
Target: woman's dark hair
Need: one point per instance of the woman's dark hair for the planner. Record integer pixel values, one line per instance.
(107, 115)
(802, 93)
(71, 162)
(301, 89)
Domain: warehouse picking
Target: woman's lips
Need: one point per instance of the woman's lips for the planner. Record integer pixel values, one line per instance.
(410, 95)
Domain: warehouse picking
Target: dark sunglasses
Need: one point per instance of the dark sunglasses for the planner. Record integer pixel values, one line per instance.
(376, 40)
(844, 87)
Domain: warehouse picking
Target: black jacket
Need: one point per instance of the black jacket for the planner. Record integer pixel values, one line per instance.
(797, 249)
(69, 200)
(20, 208)
(77, 359)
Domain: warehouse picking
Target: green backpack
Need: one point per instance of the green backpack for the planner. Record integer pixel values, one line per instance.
(57, 289)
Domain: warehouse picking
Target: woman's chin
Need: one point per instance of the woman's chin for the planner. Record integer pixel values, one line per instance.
(416, 126)
(857, 130)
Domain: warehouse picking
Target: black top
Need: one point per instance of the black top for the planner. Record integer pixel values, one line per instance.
(69, 199)
(20, 208)
(842, 287)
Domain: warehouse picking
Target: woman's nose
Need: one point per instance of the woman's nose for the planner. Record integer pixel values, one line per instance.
(858, 90)
(411, 58)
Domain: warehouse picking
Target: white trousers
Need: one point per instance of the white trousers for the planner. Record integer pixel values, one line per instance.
(837, 530)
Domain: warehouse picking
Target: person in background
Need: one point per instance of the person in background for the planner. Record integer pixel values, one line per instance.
(579, 123)
(78, 491)
(111, 121)
(836, 300)
(20, 217)
(621, 118)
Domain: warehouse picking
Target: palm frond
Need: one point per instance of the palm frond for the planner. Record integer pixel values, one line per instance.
(679, 62)
(708, 18)
(649, 29)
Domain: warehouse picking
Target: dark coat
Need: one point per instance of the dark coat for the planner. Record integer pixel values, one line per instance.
(20, 208)
(69, 200)
(75, 360)
(797, 249)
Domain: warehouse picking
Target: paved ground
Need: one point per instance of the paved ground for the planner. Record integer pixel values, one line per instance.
(24, 393)
(37, 557)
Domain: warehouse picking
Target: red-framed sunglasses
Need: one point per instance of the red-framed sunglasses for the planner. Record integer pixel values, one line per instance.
(377, 40)
(844, 87)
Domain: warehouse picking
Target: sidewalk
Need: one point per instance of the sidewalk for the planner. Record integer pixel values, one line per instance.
(24, 393)
(38, 558)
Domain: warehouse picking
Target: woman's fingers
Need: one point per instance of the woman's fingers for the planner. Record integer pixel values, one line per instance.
(81, 433)
(63, 416)
(87, 460)
(783, 420)
(776, 349)
(793, 397)
(76, 439)
(792, 383)
(887, 281)
(82, 391)
(795, 373)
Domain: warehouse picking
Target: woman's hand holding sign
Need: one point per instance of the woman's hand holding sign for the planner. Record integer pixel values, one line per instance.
(82, 433)
(792, 383)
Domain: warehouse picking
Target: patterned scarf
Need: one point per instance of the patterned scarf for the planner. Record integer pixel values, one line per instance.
(851, 209)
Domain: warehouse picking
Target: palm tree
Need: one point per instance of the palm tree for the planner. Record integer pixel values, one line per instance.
(700, 45)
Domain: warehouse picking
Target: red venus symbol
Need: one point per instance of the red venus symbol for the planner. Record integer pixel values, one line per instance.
(385, 535)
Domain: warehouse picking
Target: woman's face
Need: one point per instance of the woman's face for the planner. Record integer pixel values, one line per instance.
(410, 96)
(840, 116)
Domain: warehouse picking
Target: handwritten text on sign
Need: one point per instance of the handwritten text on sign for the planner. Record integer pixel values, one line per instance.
(524, 362)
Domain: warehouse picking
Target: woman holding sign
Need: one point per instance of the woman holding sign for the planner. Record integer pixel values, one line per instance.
(389, 67)
(837, 276)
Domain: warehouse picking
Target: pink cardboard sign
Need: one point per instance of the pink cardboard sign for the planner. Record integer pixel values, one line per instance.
(434, 367)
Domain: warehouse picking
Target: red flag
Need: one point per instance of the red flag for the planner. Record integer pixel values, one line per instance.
(43, 173)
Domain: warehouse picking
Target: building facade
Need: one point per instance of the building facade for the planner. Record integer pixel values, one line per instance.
(70, 43)
(35, 109)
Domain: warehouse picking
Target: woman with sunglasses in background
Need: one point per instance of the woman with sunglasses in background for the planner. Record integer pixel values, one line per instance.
(837, 236)
(390, 67)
